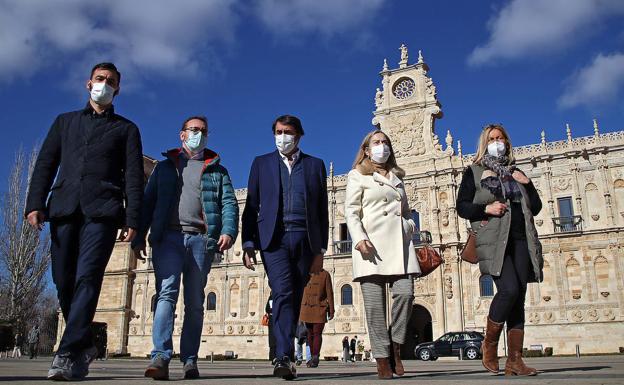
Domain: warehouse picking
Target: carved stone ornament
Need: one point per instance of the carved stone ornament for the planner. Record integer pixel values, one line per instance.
(576, 295)
(346, 312)
(549, 317)
(133, 330)
(577, 316)
(346, 327)
(546, 298)
(230, 329)
(592, 314)
(252, 329)
(448, 286)
(604, 293)
(406, 132)
(209, 330)
(534, 318)
(595, 217)
(562, 184)
(539, 222)
(608, 314)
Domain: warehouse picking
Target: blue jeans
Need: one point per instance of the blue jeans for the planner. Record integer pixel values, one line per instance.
(299, 351)
(179, 254)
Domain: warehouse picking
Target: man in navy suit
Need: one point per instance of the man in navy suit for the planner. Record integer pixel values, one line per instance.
(286, 218)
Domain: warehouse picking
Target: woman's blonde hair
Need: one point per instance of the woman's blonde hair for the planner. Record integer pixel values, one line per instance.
(484, 139)
(391, 163)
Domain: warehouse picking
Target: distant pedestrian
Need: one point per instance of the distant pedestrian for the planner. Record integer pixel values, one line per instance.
(352, 347)
(33, 341)
(345, 349)
(272, 342)
(17, 349)
(317, 307)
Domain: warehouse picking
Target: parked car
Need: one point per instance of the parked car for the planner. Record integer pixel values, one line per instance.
(450, 344)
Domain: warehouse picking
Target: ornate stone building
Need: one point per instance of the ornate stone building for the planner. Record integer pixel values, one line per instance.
(581, 226)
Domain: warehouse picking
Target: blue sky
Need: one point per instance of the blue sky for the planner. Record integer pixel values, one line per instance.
(532, 65)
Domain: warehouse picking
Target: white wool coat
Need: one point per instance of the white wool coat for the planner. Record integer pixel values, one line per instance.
(376, 209)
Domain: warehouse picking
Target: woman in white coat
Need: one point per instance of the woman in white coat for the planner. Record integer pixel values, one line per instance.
(378, 218)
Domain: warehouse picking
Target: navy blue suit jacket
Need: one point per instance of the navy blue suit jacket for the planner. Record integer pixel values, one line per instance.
(262, 207)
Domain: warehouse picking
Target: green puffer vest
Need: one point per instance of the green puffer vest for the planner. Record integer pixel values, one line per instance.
(492, 237)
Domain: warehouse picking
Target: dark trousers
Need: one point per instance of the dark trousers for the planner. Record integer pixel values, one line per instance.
(80, 249)
(32, 349)
(315, 337)
(287, 264)
(508, 303)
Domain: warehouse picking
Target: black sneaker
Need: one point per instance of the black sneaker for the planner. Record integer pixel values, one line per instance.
(158, 369)
(61, 369)
(285, 369)
(80, 366)
(191, 371)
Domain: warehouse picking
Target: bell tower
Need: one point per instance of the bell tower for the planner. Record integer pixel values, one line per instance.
(406, 107)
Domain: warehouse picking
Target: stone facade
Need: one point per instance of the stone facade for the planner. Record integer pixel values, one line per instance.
(581, 226)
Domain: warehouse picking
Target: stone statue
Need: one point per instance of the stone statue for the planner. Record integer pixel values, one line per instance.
(378, 98)
(403, 62)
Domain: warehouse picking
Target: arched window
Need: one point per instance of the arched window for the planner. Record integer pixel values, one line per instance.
(153, 303)
(346, 295)
(486, 286)
(211, 303)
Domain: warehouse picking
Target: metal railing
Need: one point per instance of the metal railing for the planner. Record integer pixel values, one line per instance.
(342, 247)
(568, 224)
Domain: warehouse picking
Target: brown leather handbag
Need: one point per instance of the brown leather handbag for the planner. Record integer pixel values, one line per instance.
(469, 252)
(428, 259)
(265, 320)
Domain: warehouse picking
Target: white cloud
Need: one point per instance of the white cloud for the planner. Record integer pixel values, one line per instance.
(599, 83)
(145, 37)
(525, 28)
(327, 17)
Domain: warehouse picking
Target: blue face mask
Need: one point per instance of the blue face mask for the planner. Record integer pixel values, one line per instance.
(195, 141)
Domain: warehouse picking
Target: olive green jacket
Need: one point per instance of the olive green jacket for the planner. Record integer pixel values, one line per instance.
(492, 237)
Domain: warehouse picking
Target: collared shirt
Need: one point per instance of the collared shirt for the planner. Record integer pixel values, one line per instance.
(286, 161)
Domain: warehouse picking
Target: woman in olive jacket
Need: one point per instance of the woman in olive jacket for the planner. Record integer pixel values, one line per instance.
(317, 307)
(500, 202)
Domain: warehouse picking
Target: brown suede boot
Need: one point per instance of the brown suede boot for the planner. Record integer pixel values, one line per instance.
(395, 363)
(383, 368)
(515, 365)
(489, 346)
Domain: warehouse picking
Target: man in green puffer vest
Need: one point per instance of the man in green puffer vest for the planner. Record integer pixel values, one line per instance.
(192, 213)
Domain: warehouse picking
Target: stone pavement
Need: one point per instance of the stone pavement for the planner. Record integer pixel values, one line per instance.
(554, 370)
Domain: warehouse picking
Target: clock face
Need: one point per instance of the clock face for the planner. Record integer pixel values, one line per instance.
(404, 88)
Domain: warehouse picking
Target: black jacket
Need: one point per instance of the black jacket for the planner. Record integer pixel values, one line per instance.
(98, 164)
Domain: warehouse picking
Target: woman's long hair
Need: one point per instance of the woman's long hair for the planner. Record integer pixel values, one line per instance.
(391, 163)
(484, 139)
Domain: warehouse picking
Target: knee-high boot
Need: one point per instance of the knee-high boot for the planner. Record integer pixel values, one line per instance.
(515, 365)
(489, 347)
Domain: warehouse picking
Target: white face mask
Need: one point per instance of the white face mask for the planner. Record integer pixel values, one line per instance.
(195, 141)
(496, 148)
(380, 153)
(102, 93)
(285, 143)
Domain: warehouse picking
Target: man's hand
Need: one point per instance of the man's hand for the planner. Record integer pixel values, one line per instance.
(36, 219)
(249, 258)
(137, 252)
(127, 234)
(520, 177)
(224, 243)
(317, 264)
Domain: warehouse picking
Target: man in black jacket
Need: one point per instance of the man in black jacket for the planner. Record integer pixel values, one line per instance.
(92, 164)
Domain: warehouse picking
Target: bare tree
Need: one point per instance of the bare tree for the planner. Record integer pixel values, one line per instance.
(24, 251)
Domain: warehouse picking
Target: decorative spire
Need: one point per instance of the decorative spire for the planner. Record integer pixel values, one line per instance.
(331, 169)
(459, 150)
(596, 132)
(568, 132)
(421, 60)
(403, 62)
(449, 139)
(543, 135)
(385, 66)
